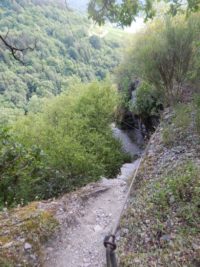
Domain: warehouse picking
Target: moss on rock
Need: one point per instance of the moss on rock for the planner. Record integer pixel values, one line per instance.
(22, 232)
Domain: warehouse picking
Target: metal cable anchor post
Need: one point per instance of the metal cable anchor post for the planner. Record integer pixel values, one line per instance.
(110, 245)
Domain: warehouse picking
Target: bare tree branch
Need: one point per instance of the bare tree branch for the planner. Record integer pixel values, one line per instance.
(15, 50)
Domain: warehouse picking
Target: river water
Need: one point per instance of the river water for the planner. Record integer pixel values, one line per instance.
(131, 140)
(131, 143)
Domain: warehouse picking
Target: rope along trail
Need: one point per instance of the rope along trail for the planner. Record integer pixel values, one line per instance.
(109, 241)
(81, 245)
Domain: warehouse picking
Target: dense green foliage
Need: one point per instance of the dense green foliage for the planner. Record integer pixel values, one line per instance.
(164, 57)
(185, 118)
(20, 168)
(125, 12)
(67, 51)
(147, 101)
(74, 145)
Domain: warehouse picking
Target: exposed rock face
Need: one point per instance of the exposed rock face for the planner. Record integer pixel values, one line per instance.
(133, 148)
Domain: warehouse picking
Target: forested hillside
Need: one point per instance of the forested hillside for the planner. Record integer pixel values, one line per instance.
(66, 51)
(72, 108)
(55, 127)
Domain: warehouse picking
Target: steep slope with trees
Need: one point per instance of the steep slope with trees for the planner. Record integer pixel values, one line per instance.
(64, 53)
(66, 142)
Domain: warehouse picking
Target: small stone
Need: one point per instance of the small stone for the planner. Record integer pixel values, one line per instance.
(33, 257)
(171, 200)
(27, 246)
(125, 231)
(7, 245)
(137, 261)
(97, 228)
(117, 238)
(147, 240)
(165, 238)
(195, 246)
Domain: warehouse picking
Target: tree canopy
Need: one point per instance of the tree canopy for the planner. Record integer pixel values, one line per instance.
(68, 48)
(124, 12)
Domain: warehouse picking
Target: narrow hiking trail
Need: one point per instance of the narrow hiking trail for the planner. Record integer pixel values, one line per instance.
(81, 244)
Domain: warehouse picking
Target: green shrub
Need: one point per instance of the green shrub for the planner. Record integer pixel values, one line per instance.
(180, 191)
(179, 124)
(168, 136)
(75, 145)
(95, 41)
(163, 55)
(147, 101)
(20, 168)
(182, 118)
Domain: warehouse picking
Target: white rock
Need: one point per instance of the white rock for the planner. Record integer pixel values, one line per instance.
(27, 246)
(97, 228)
(7, 245)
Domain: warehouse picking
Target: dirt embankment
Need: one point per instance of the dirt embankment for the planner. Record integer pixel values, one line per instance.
(161, 226)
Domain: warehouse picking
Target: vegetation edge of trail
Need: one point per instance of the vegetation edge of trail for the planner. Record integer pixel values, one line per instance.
(67, 145)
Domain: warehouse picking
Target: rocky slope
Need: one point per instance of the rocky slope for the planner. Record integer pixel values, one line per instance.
(81, 243)
(161, 226)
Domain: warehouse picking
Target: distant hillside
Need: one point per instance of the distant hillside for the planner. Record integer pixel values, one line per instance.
(66, 52)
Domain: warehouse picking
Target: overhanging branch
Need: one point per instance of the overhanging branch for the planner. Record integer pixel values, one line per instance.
(15, 50)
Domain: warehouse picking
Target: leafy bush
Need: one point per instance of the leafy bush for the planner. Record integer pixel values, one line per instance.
(182, 118)
(95, 41)
(74, 141)
(73, 53)
(26, 174)
(163, 56)
(168, 136)
(179, 124)
(147, 101)
(20, 168)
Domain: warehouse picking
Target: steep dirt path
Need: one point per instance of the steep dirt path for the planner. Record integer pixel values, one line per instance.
(81, 245)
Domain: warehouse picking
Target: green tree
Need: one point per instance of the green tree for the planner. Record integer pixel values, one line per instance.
(125, 12)
(75, 141)
(95, 41)
(163, 56)
(61, 52)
